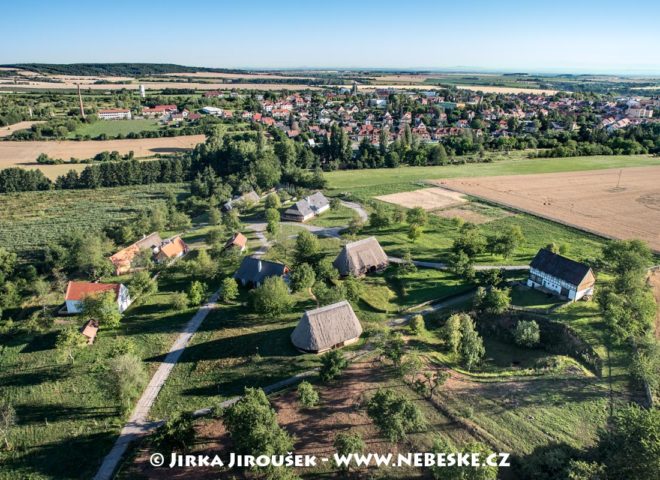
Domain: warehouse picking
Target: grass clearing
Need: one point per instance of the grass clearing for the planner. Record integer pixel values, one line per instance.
(113, 128)
(435, 243)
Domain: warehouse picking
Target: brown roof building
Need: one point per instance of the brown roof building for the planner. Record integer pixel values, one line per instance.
(361, 257)
(327, 328)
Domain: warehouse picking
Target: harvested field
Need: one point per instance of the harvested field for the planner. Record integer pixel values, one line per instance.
(474, 213)
(513, 90)
(9, 129)
(246, 76)
(615, 203)
(24, 154)
(427, 198)
(33, 85)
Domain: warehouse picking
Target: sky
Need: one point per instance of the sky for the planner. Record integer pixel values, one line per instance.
(576, 36)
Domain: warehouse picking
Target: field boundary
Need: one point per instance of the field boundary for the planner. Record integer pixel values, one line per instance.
(538, 215)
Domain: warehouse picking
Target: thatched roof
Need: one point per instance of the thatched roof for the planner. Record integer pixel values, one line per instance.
(326, 327)
(360, 257)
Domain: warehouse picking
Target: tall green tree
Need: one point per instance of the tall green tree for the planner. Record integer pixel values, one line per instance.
(271, 297)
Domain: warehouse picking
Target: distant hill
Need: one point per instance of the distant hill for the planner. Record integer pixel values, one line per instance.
(113, 69)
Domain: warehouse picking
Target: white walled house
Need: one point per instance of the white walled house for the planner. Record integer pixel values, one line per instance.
(560, 275)
(307, 208)
(115, 114)
(77, 291)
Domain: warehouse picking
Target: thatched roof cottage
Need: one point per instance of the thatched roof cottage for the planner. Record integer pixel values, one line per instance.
(361, 257)
(326, 328)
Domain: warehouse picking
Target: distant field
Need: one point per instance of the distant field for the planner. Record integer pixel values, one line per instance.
(24, 154)
(9, 129)
(112, 128)
(381, 181)
(514, 90)
(246, 76)
(618, 203)
(33, 85)
(426, 198)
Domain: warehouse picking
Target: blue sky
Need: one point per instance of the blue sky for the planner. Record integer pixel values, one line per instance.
(571, 36)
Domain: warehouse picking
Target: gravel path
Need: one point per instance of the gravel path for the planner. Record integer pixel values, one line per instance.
(138, 423)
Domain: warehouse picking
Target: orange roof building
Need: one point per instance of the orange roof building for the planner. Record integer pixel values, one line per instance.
(171, 250)
(77, 291)
(122, 260)
(238, 240)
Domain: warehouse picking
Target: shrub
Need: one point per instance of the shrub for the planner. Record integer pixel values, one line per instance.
(347, 444)
(228, 290)
(126, 377)
(417, 326)
(178, 432)
(196, 293)
(142, 284)
(307, 395)
(394, 415)
(179, 301)
(271, 297)
(252, 425)
(527, 333)
(302, 277)
(333, 364)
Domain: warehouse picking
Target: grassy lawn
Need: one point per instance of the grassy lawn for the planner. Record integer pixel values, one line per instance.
(112, 128)
(233, 349)
(515, 401)
(439, 234)
(584, 318)
(67, 421)
(335, 217)
(530, 298)
(364, 184)
(384, 292)
(31, 220)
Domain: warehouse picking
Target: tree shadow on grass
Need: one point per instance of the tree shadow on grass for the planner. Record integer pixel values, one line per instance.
(34, 376)
(31, 414)
(268, 343)
(41, 343)
(72, 458)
